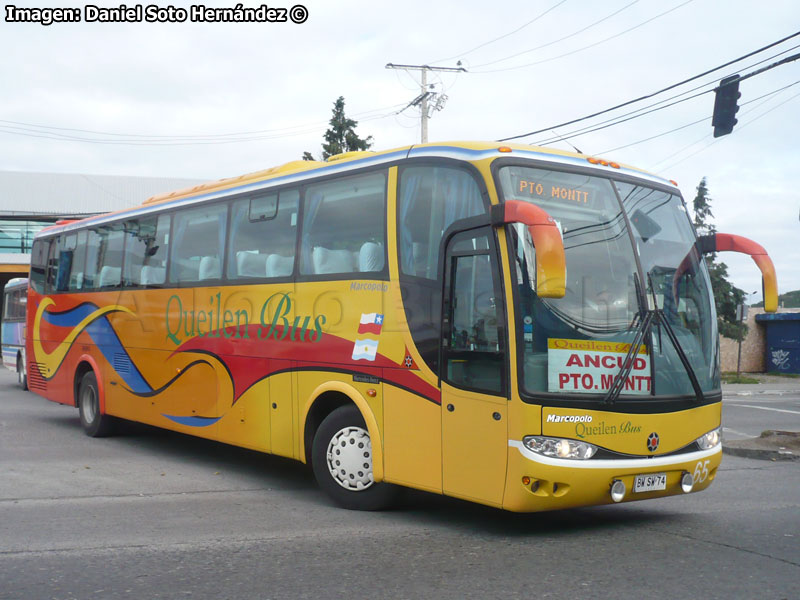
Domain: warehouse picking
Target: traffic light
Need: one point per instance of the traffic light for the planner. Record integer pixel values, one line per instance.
(725, 107)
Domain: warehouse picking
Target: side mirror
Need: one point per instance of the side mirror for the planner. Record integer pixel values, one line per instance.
(551, 264)
(726, 242)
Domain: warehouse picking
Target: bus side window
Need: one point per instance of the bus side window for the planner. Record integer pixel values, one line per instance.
(14, 308)
(78, 267)
(344, 229)
(52, 264)
(199, 241)
(15, 305)
(39, 254)
(66, 261)
(429, 200)
(262, 244)
(92, 258)
(22, 303)
(146, 241)
(104, 257)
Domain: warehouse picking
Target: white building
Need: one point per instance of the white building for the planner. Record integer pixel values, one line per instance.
(31, 201)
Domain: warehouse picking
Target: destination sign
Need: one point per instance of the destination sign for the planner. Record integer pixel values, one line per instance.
(553, 191)
(590, 366)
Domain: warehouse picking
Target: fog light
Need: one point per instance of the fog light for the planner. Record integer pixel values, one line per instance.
(687, 482)
(617, 490)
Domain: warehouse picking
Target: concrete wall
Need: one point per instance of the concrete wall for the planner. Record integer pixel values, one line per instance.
(753, 346)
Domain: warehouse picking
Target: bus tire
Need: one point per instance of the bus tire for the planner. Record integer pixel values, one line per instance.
(341, 457)
(94, 423)
(22, 373)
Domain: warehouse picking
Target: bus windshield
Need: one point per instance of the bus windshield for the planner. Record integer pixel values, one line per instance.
(629, 250)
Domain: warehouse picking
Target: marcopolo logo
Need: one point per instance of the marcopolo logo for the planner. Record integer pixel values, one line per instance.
(569, 418)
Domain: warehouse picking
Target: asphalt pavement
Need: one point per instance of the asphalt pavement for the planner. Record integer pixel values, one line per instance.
(779, 438)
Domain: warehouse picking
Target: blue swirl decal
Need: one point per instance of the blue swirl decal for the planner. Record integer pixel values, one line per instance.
(106, 340)
(193, 421)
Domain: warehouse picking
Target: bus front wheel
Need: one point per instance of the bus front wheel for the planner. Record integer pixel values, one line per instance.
(22, 374)
(94, 423)
(341, 457)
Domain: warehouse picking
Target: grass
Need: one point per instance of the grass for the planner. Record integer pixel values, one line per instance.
(789, 375)
(730, 377)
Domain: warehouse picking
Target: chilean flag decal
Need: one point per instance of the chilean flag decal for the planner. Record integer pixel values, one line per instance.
(370, 323)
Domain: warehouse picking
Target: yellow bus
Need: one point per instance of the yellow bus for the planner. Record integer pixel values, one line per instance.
(515, 326)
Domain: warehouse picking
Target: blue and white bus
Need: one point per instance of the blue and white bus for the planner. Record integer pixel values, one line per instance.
(15, 299)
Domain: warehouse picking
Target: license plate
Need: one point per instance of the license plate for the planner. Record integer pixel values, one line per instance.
(650, 483)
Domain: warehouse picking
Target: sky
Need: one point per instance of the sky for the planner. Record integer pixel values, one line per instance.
(214, 100)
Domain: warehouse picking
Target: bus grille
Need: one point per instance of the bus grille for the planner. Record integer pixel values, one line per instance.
(35, 379)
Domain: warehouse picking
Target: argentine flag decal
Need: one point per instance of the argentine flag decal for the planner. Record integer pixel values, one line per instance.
(365, 350)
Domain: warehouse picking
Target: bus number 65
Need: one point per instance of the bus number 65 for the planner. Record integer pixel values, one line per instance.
(701, 471)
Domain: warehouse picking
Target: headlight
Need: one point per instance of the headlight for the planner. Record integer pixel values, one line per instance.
(559, 447)
(708, 440)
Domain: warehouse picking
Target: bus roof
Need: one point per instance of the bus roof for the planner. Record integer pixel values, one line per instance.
(16, 282)
(293, 171)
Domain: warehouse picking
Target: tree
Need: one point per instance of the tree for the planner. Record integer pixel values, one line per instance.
(787, 300)
(702, 210)
(341, 135)
(726, 295)
(726, 298)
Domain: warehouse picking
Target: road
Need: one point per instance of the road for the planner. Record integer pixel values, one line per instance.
(153, 514)
(750, 409)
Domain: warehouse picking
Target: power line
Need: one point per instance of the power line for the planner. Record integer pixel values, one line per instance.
(656, 136)
(603, 41)
(772, 93)
(715, 140)
(618, 121)
(122, 139)
(206, 135)
(651, 95)
(497, 39)
(561, 39)
(643, 111)
(52, 135)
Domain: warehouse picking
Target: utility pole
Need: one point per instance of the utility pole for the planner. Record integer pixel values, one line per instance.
(422, 99)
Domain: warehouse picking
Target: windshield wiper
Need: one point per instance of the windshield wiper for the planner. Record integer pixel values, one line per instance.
(650, 315)
(662, 320)
(627, 364)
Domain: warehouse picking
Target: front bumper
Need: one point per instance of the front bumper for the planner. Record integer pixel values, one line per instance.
(554, 483)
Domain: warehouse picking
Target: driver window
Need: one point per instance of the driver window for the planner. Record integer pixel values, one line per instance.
(475, 342)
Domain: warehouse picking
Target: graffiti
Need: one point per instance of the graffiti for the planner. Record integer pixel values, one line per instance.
(780, 358)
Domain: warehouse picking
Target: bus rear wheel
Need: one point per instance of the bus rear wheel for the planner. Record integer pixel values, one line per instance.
(94, 423)
(341, 457)
(22, 374)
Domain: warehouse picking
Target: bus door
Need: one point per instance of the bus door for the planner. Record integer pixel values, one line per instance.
(473, 370)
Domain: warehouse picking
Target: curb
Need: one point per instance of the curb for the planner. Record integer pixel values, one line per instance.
(759, 454)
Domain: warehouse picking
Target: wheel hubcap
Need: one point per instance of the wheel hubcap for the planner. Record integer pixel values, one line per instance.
(88, 405)
(350, 458)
